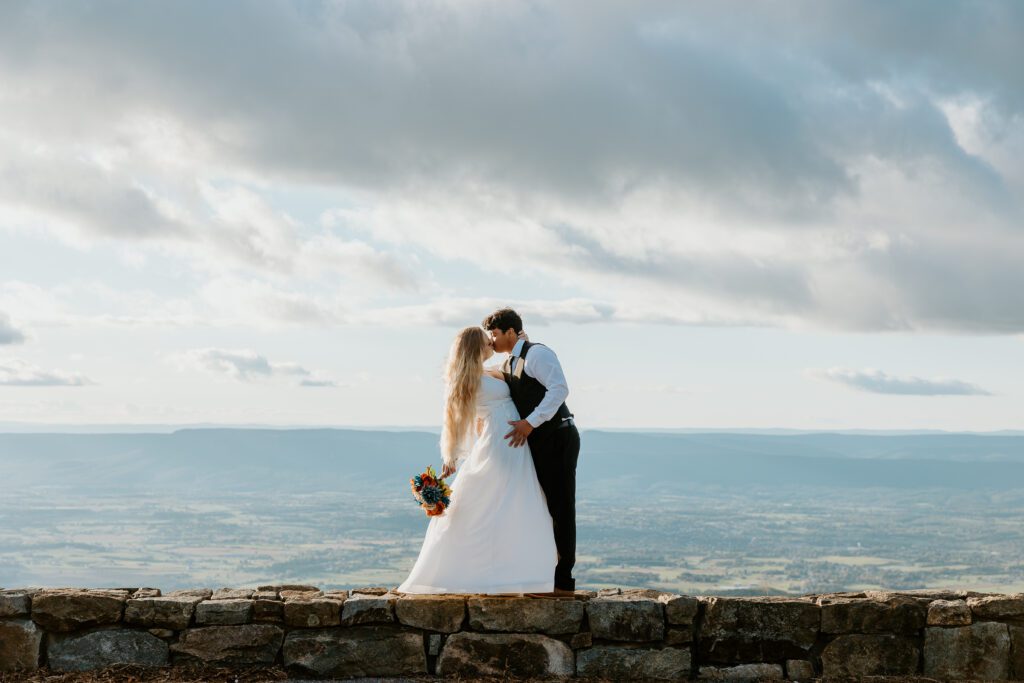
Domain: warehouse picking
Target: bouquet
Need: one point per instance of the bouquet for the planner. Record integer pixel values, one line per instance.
(431, 493)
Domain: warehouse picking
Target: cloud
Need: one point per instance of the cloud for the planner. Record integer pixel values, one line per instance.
(16, 372)
(835, 165)
(448, 312)
(256, 302)
(94, 304)
(633, 94)
(245, 365)
(878, 382)
(234, 302)
(221, 301)
(306, 382)
(9, 334)
(593, 119)
(217, 226)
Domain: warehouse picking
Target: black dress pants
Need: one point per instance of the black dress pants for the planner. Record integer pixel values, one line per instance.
(554, 457)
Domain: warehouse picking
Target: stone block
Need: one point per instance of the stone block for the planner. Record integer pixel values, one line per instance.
(1016, 652)
(525, 615)
(359, 651)
(434, 641)
(857, 655)
(162, 612)
(105, 647)
(751, 630)
(680, 609)
(365, 608)
(314, 613)
(626, 617)
(981, 650)
(443, 614)
(279, 587)
(997, 607)
(69, 609)
(517, 655)
(799, 670)
(624, 663)
(652, 593)
(949, 613)
(14, 604)
(678, 636)
(898, 614)
(268, 611)
(244, 644)
(747, 673)
(20, 644)
(201, 593)
(924, 594)
(232, 594)
(580, 640)
(226, 611)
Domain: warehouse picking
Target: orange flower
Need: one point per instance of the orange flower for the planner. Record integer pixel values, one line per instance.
(429, 481)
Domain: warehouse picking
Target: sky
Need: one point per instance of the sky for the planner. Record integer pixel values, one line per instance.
(794, 214)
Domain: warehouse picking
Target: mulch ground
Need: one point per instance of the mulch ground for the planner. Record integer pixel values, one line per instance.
(264, 674)
(141, 674)
(132, 674)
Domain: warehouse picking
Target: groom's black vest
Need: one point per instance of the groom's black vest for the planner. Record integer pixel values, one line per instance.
(527, 393)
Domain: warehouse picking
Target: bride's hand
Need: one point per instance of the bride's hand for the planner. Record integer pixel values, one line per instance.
(524, 336)
(446, 470)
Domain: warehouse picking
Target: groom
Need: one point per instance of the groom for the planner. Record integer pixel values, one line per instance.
(538, 388)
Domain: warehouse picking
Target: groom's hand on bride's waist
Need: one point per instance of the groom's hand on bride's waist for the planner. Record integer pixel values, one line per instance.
(520, 430)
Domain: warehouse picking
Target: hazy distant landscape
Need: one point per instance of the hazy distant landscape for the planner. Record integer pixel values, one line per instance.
(701, 513)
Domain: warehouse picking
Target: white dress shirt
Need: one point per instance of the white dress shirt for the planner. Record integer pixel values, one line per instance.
(542, 364)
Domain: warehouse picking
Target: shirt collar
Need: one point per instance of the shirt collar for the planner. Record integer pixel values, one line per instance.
(518, 347)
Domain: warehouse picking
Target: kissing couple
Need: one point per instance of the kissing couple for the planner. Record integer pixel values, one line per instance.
(510, 528)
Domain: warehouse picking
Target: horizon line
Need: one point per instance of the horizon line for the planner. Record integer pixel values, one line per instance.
(13, 427)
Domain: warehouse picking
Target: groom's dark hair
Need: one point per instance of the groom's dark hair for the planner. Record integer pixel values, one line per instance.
(502, 319)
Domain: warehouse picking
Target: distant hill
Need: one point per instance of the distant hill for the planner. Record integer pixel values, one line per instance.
(207, 460)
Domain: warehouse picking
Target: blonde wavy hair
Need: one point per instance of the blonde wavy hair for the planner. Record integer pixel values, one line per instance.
(462, 380)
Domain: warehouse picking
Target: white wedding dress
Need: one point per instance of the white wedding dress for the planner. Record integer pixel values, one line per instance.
(496, 535)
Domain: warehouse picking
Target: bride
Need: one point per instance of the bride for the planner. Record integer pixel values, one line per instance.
(496, 536)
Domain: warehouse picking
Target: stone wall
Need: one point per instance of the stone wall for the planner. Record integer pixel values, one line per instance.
(613, 633)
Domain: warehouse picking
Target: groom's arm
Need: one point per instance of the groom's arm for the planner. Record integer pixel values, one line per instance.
(543, 366)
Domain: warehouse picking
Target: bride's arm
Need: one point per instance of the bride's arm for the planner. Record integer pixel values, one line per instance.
(462, 449)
